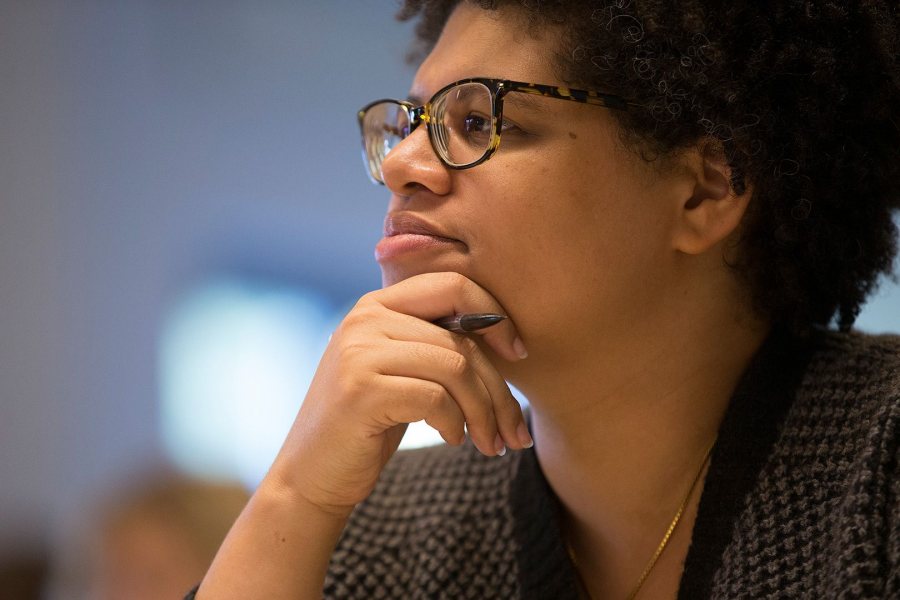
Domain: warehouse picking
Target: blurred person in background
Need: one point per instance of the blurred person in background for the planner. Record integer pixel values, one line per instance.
(152, 539)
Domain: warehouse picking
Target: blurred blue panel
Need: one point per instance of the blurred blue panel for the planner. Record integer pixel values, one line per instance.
(236, 359)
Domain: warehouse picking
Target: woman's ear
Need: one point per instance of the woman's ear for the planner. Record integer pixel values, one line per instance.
(713, 209)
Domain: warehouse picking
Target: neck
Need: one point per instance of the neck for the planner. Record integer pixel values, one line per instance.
(620, 437)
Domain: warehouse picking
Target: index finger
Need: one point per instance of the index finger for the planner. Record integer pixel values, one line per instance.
(431, 296)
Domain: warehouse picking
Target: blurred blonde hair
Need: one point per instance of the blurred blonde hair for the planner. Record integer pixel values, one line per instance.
(201, 511)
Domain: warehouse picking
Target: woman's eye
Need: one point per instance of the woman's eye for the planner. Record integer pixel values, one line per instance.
(481, 125)
(476, 124)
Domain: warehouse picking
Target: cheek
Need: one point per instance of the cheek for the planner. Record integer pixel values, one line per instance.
(570, 246)
(538, 241)
(518, 226)
(553, 216)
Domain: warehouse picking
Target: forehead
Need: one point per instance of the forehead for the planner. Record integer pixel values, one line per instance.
(486, 43)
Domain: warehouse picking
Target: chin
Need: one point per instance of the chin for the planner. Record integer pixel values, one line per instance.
(391, 275)
(396, 271)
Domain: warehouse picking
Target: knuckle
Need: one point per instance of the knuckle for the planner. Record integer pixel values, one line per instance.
(457, 364)
(348, 323)
(362, 313)
(367, 299)
(352, 351)
(467, 345)
(433, 396)
(462, 284)
(455, 281)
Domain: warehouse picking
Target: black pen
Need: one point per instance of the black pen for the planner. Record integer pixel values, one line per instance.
(467, 323)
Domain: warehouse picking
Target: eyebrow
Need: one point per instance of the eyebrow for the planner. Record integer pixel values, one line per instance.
(416, 98)
(526, 101)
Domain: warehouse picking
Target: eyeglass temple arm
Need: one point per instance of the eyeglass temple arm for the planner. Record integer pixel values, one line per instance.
(565, 93)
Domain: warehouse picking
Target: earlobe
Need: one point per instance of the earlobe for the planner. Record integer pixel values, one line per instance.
(713, 210)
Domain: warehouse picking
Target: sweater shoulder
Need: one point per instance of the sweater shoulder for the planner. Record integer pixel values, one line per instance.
(846, 413)
(856, 352)
(822, 513)
(852, 378)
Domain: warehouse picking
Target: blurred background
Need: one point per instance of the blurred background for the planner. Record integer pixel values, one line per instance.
(184, 218)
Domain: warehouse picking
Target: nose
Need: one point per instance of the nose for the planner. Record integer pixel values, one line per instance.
(412, 165)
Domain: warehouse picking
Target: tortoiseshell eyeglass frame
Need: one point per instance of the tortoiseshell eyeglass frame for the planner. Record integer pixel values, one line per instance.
(498, 89)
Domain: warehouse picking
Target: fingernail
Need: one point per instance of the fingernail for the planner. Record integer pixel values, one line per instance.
(519, 348)
(499, 446)
(524, 437)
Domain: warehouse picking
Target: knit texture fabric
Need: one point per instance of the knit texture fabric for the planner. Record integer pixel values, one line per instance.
(802, 498)
(443, 528)
(823, 519)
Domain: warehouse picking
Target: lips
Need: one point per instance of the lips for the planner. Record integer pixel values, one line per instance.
(406, 233)
(400, 223)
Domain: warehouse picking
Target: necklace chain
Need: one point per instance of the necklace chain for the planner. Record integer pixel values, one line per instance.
(662, 544)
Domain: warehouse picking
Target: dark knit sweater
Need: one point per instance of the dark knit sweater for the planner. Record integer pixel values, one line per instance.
(801, 500)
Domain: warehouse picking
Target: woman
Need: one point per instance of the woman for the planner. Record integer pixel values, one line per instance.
(669, 249)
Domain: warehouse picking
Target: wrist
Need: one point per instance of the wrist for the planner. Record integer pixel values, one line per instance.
(276, 491)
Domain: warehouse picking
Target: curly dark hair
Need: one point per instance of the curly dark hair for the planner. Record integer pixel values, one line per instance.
(803, 97)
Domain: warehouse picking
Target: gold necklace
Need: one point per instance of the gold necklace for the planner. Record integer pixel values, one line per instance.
(662, 544)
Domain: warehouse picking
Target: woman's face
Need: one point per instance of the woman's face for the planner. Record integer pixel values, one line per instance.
(563, 225)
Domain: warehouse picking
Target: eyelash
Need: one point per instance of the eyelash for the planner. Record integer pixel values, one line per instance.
(507, 126)
(511, 125)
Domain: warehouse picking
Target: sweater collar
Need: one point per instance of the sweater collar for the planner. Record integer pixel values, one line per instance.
(748, 431)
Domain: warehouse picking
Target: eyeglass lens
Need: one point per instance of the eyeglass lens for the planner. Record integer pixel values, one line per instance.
(464, 123)
(461, 127)
(385, 124)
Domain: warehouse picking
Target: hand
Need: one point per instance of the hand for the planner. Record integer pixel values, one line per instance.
(386, 366)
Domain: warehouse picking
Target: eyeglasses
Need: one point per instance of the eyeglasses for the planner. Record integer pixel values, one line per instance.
(464, 120)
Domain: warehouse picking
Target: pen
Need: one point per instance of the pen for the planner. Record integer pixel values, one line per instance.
(466, 323)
